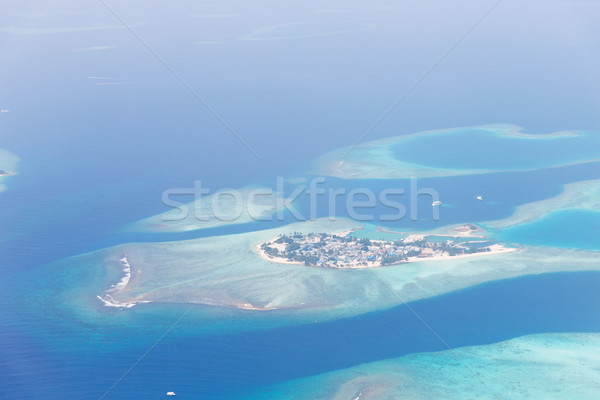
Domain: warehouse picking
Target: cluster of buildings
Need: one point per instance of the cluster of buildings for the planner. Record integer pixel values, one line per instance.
(344, 251)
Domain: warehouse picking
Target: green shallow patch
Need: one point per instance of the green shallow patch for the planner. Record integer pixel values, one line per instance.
(545, 366)
(495, 149)
(582, 195)
(459, 151)
(222, 208)
(227, 273)
(236, 290)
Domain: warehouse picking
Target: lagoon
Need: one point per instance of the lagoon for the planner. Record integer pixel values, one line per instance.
(574, 229)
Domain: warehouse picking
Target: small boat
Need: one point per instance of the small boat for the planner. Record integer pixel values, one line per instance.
(436, 203)
(480, 197)
(171, 394)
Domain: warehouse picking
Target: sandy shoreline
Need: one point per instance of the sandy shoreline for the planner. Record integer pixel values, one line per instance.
(494, 249)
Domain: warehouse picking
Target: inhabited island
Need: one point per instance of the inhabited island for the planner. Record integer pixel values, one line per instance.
(234, 271)
(343, 250)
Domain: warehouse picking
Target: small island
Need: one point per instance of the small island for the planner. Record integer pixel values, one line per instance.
(6, 173)
(345, 251)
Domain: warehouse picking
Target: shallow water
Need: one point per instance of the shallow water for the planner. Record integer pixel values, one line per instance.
(97, 154)
(227, 365)
(483, 149)
(576, 229)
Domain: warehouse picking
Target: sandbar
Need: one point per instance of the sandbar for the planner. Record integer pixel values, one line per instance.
(582, 195)
(214, 210)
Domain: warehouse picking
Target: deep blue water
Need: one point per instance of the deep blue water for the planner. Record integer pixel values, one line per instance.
(48, 350)
(97, 158)
(228, 365)
(59, 212)
(83, 180)
(481, 315)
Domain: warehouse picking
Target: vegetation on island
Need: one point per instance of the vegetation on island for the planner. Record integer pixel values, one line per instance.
(339, 251)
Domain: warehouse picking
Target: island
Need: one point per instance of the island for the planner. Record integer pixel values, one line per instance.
(3, 174)
(233, 271)
(8, 166)
(342, 250)
(6, 173)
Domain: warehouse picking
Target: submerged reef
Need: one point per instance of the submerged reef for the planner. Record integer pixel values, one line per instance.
(583, 195)
(8, 166)
(227, 271)
(543, 366)
(475, 150)
(226, 207)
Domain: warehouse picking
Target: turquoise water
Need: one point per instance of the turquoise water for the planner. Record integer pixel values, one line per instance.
(59, 337)
(371, 231)
(483, 149)
(577, 229)
(102, 133)
(56, 335)
(526, 305)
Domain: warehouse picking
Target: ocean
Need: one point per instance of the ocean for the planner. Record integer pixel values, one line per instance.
(102, 129)
(48, 348)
